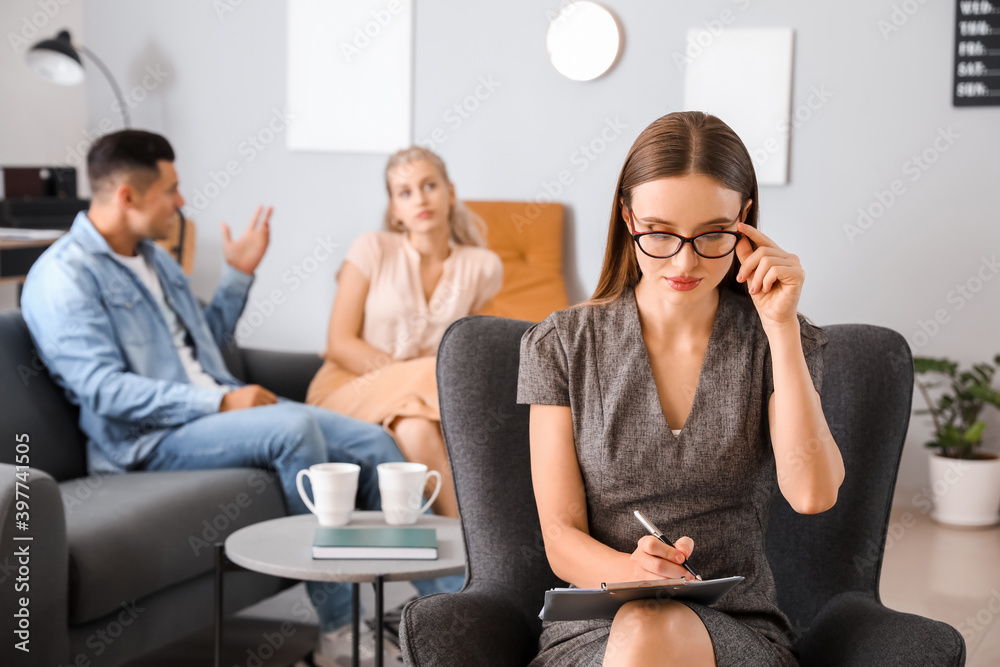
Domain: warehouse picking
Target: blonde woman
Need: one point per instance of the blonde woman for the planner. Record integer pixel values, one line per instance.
(397, 292)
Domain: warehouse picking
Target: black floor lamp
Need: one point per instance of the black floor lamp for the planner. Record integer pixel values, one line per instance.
(58, 60)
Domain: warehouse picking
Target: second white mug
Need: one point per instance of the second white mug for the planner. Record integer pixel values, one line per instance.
(401, 486)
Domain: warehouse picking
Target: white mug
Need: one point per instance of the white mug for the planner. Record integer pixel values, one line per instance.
(401, 486)
(335, 488)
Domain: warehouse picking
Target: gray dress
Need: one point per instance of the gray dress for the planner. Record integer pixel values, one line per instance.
(713, 482)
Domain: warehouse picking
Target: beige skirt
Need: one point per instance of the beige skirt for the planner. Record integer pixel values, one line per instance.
(400, 389)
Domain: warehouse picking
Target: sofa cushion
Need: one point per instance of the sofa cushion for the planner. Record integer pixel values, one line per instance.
(136, 533)
(34, 404)
(528, 237)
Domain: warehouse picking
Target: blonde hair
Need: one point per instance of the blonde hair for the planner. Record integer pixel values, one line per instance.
(467, 228)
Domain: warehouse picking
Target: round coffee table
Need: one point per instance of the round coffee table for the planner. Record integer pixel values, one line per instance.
(283, 548)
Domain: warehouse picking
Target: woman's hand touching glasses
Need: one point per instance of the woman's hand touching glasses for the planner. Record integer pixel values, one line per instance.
(773, 276)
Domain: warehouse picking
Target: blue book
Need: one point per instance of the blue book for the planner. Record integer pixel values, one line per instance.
(379, 543)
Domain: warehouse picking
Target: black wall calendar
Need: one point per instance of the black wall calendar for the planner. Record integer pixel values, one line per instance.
(977, 53)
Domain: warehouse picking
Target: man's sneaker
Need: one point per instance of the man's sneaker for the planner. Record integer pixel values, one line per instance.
(390, 628)
(335, 648)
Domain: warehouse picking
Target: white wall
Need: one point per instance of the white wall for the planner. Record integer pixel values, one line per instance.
(39, 121)
(885, 98)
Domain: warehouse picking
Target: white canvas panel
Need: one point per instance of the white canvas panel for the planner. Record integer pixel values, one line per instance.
(744, 76)
(350, 75)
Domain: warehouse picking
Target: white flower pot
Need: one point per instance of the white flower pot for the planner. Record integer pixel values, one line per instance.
(966, 492)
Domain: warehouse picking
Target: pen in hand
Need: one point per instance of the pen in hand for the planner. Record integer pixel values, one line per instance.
(655, 532)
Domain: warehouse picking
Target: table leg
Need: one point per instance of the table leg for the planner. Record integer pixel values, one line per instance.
(220, 555)
(379, 618)
(355, 623)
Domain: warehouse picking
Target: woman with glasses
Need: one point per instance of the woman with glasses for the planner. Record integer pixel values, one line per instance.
(687, 388)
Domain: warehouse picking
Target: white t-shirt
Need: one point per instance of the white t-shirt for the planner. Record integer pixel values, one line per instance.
(196, 374)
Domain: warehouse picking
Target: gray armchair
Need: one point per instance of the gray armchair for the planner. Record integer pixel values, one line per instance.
(826, 566)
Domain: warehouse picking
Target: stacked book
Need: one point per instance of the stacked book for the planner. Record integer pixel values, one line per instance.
(377, 543)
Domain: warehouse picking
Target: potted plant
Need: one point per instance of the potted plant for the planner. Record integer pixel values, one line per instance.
(965, 482)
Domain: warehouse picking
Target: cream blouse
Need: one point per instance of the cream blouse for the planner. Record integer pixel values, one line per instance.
(398, 319)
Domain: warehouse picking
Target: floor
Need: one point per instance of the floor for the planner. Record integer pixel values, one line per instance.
(250, 642)
(254, 637)
(948, 574)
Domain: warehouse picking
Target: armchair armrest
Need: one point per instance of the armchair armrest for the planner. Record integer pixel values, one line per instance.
(35, 570)
(287, 374)
(855, 629)
(469, 628)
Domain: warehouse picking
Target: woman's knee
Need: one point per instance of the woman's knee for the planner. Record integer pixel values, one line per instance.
(416, 426)
(419, 438)
(641, 619)
(667, 629)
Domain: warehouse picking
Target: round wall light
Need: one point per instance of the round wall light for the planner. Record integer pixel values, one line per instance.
(583, 41)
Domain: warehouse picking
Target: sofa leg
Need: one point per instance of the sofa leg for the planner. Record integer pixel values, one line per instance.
(220, 564)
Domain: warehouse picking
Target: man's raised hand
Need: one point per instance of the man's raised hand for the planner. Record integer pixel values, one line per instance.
(245, 253)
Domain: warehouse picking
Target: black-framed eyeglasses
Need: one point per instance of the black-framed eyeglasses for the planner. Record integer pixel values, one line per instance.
(661, 245)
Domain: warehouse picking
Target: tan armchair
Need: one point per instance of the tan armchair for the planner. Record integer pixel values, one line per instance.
(528, 237)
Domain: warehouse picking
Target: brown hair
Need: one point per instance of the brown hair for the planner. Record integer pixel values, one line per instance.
(133, 154)
(680, 143)
(467, 228)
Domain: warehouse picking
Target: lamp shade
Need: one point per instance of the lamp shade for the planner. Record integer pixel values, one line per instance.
(57, 60)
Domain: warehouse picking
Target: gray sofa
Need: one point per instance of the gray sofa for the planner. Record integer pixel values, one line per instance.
(118, 565)
(826, 567)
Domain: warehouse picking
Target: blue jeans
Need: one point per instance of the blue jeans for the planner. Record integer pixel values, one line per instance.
(288, 437)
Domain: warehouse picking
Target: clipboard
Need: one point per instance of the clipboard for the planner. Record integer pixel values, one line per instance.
(582, 604)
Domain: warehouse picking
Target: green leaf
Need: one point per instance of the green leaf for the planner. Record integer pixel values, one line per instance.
(985, 372)
(985, 394)
(951, 436)
(974, 434)
(930, 365)
(964, 395)
(952, 430)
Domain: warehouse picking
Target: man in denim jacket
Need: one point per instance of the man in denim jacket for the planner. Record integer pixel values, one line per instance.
(115, 322)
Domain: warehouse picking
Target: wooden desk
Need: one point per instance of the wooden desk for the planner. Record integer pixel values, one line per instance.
(16, 257)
